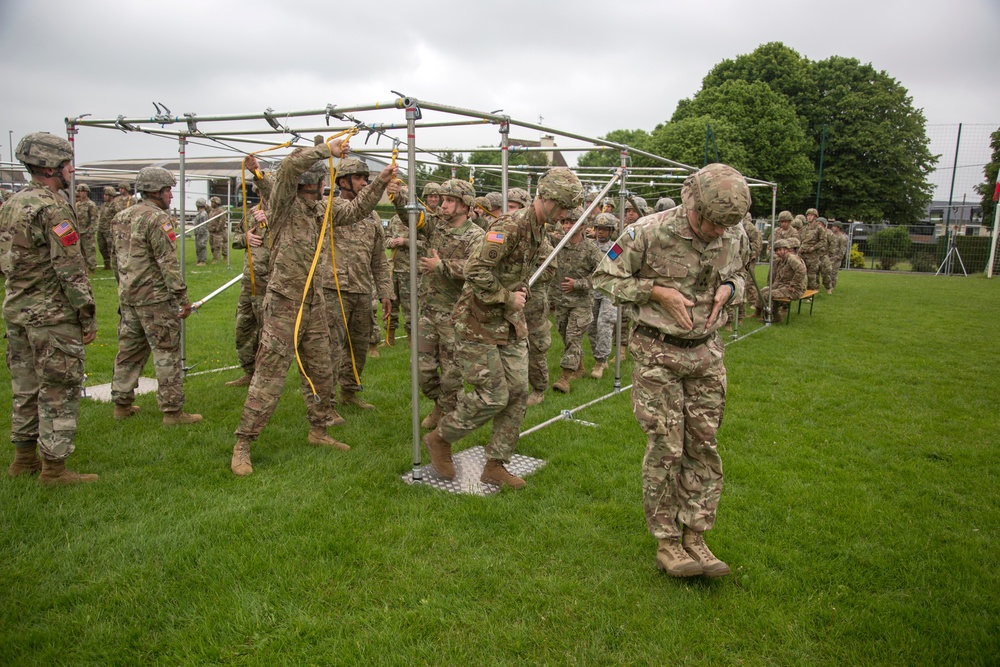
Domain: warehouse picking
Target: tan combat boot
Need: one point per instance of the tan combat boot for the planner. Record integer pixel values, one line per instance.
(536, 397)
(54, 473)
(675, 561)
(318, 436)
(26, 462)
(125, 411)
(373, 351)
(432, 419)
(440, 451)
(336, 419)
(580, 370)
(562, 384)
(598, 371)
(494, 472)
(241, 382)
(350, 398)
(694, 544)
(240, 464)
(180, 418)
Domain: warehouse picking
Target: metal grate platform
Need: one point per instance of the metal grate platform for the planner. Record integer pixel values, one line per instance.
(468, 467)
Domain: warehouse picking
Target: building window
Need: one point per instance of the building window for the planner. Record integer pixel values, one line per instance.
(937, 215)
(971, 230)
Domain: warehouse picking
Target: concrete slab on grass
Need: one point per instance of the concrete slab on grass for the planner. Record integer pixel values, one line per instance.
(468, 467)
(102, 392)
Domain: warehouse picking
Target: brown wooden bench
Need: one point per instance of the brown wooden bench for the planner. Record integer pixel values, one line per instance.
(806, 296)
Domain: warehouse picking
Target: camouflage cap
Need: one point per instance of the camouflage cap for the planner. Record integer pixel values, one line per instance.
(717, 193)
(562, 186)
(431, 188)
(352, 166)
(153, 179)
(785, 216)
(201, 203)
(124, 185)
(664, 204)
(83, 187)
(812, 211)
(41, 149)
(606, 220)
(110, 191)
(496, 200)
(456, 187)
(519, 196)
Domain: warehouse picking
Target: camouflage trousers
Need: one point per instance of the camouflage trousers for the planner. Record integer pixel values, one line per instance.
(776, 292)
(276, 353)
(813, 262)
(145, 330)
(46, 372)
(602, 328)
(89, 250)
(828, 272)
(201, 244)
(536, 315)
(220, 249)
(249, 322)
(104, 245)
(400, 300)
(572, 323)
(352, 338)
(498, 378)
(750, 293)
(678, 397)
(376, 329)
(436, 350)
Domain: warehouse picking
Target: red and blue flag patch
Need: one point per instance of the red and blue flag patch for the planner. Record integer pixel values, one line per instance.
(615, 251)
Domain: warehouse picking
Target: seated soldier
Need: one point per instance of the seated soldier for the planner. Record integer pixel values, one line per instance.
(789, 280)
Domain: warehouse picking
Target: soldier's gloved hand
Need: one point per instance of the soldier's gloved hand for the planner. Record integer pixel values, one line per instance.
(388, 173)
(520, 298)
(253, 240)
(675, 303)
(185, 311)
(722, 296)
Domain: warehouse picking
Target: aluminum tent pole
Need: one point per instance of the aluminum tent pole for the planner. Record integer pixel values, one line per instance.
(620, 342)
(770, 259)
(412, 116)
(71, 136)
(181, 140)
(504, 164)
(229, 223)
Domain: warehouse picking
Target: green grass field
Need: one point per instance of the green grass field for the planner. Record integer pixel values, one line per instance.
(860, 515)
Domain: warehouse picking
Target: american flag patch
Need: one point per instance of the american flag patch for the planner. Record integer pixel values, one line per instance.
(67, 235)
(169, 229)
(615, 251)
(495, 237)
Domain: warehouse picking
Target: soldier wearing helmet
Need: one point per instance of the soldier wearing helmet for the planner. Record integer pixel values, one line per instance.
(632, 212)
(88, 219)
(785, 231)
(105, 212)
(517, 198)
(787, 281)
(431, 195)
(442, 278)
(677, 301)
(218, 224)
(48, 309)
(201, 233)
(491, 332)
(605, 313)
(663, 204)
(812, 246)
(398, 241)
(152, 299)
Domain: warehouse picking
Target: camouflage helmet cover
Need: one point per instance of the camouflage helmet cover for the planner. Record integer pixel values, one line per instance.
(110, 191)
(41, 149)
(606, 220)
(315, 174)
(610, 203)
(782, 243)
(352, 166)
(124, 185)
(519, 196)
(431, 188)
(83, 187)
(793, 243)
(664, 204)
(821, 220)
(201, 203)
(456, 187)
(641, 203)
(785, 216)
(562, 186)
(153, 179)
(718, 193)
(496, 200)
(215, 201)
(483, 203)
(812, 211)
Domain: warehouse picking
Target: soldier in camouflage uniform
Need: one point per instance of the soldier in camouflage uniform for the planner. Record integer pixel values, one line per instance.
(87, 221)
(571, 294)
(632, 212)
(676, 273)
(453, 240)
(799, 221)
(785, 231)
(491, 333)
(359, 244)
(755, 241)
(105, 213)
(431, 195)
(398, 242)
(788, 281)
(201, 232)
(152, 300)
(605, 313)
(664, 204)
(836, 250)
(48, 309)
(217, 229)
(294, 220)
(812, 248)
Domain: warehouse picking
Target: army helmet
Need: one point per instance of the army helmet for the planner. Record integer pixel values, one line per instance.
(664, 204)
(519, 196)
(430, 188)
(785, 216)
(799, 221)
(628, 204)
(483, 203)
(793, 243)
(562, 186)
(718, 193)
(643, 206)
(463, 190)
(496, 200)
(352, 166)
(606, 220)
(215, 201)
(83, 187)
(783, 243)
(41, 149)
(124, 185)
(110, 191)
(812, 211)
(153, 179)
(201, 203)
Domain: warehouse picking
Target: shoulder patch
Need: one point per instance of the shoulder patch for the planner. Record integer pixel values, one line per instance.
(615, 251)
(496, 237)
(631, 233)
(67, 235)
(169, 229)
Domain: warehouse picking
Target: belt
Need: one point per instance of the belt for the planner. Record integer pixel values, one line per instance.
(656, 334)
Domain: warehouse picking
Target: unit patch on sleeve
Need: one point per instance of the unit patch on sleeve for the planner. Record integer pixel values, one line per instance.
(169, 229)
(615, 251)
(67, 235)
(496, 237)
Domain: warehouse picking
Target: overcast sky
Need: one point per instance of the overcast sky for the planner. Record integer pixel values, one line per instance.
(588, 66)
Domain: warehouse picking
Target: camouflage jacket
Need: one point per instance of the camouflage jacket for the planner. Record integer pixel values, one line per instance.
(261, 255)
(602, 250)
(359, 249)
(201, 217)
(576, 261)
(789, 279)
(779, 233)
(399, 227)
(145, 240)
(813, 239)
(837, 248)
(219, 224)
(46, 278)
(441, 288)
(756, 241)
(510, 253)
(105, 212)
(664, 251)
(87, 217)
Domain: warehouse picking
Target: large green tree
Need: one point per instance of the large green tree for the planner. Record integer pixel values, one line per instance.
(988, 186)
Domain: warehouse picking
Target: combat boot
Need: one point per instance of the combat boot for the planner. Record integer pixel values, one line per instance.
(240, 465)
(675, 561)
(350, 398)
(107, 266)
(598, 371)
(440, 451)
(373, 351)
(54, 473)
(495, 473)
(829, 290)
(432, 419)
(562, 384)
(179, 418)
(694, 544)
(241, 382)
(580, 370)
(26, 462)
(319, 436)
(536, 397)
(336, 419)
(125, 411)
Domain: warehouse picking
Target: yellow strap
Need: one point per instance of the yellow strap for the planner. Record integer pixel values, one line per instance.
(246, 230)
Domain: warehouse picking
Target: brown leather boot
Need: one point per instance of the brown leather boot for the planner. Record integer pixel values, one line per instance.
(350, 398)
(562, 384)
(675, 561)
(494, 472)
(373, 351)
(26, 462)
(180, 418)
(432, 419)
(694, 544)
(440, 451)
(319, 436)
(241, 382)
(54, 473)
(580, 370)
(336, 419)
(240, 464)
(598, 371)
(125, 411)
(536, 397)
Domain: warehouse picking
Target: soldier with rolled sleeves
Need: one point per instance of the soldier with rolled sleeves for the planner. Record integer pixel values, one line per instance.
(491, 333)
(201, 232)
(605, 313)
(787, 281)
(48, 309)
(217, 229)
(87, 222)
(452, 242)
(294, 219)
(676, 273)
(152, 300)
(105, 212)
